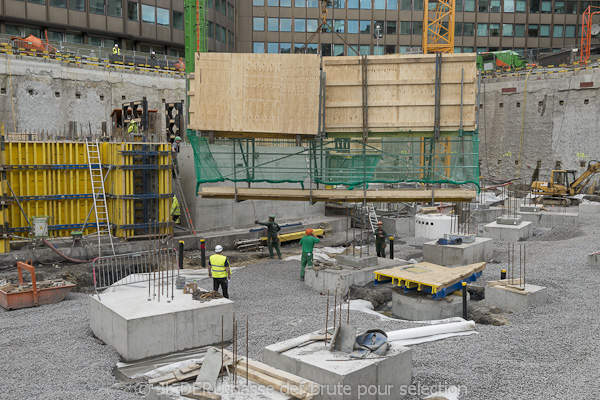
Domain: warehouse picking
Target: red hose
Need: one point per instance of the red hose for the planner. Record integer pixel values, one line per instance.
(60, 253)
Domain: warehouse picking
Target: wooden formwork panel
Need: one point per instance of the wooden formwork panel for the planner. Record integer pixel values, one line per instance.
(261, 93)
(401, 93)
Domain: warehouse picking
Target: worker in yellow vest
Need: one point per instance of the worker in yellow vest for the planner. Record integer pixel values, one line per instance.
(175, 210)
(218, 269)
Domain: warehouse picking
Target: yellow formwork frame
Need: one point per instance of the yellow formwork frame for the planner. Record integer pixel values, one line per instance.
(438, 26)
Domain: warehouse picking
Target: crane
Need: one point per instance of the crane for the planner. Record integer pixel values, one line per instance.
(586, 32)
(438, 26)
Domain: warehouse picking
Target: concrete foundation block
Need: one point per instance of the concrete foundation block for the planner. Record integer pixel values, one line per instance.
(359, 262)
(593, 260)
(480, 250)
(508, 298)
(589, 208)
(508, 233)
(545, 219)
(399, 227)
(508, 221)
(138, 328)
(418, 306)
(530, 209)
(340, 377)
(484, 215)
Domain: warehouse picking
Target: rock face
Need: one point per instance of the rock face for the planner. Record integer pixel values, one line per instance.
(487, 316)
(377, 295)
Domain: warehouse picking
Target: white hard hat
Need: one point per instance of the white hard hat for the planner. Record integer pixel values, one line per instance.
(116, 45)
(218, 248)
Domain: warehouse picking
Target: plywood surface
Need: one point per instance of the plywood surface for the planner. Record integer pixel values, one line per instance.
(431, 274)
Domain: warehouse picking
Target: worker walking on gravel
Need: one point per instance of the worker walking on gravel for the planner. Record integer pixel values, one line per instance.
(380, 235)
(218, 269)
(273, 229)
(308, 244)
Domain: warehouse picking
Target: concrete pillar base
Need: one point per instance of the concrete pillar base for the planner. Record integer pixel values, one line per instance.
(508, 233)
(593, 260)
(480, 250)
(589, 208)
(545, 219)
(511, 298)
(418, 306)
(359, 262)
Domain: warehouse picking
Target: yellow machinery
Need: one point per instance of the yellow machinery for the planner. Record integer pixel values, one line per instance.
(563, 185)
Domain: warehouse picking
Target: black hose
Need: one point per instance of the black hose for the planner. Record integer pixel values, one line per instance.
(73, 260)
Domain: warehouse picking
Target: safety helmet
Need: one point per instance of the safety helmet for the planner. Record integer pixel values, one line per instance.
(177, 138)
(218, 248)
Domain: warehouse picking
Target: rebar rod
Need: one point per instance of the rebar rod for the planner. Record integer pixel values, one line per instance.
(326, 317)
(334, 308)
(247, 360)
(222, 354)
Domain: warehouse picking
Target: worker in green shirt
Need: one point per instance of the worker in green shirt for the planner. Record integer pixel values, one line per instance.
(273, 229)
(380, 235)
(308, 243)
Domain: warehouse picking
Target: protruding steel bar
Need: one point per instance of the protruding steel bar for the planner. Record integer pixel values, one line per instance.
(326, 317)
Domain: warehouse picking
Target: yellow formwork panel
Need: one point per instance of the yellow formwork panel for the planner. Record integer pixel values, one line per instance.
(4, 221)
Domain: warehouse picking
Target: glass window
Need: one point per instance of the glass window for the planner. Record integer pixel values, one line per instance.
(483, 5)
(273, 3)
(352, 4)
(534, 6)
(312, 4)
(482, 29)
(378, 50)
(272, 47)
(365, 26)
(417, 28)
(312, 25)
(353, 50)
(458, 50)
(258, 3)
(544, 30)
(211, 29)
(418, 5)
(73, 38)
(519, 51)
(459, 6)
(258, 24)
(365, 4)
(230, 38)
(402, 49)
(148, 14)
(258, 47)
(58, 3)
(224, 8)
(132, 11)
(558, 31)
(521, 6)
(509, 5)
(378, 4)
(507, 30)
(12, 30)
(392, 4)
(458, 28)
(390, 49)
(546, 7)
(390, 27)
(339, 4)
(405, 4)
(273, 24)
(339, 25)
(285, 48)
(178, 20)
(114, 8)
(559, 7)
(519, 30)
(56, 36)
(162, 16)
(467, 49)
(298, 48)
(470, 5)
(338, 49)
(570, 31)
(571, 7)
(94, 41)
(311, 48)
(495, 6)
(97, 6)
(77, 5)
(285, 3)
(494, 30)
(37, 1)
(299, 25)
(218, 32)
(405, 28)
(468, 28)
(33, 31)
(481, 50)
(210, 4)
(285, 24)
(352, 26)
(533, 30)
(223, 34)
(364, 49)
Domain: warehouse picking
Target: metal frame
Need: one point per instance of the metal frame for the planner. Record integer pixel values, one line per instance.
(438, 38)
(586, 32)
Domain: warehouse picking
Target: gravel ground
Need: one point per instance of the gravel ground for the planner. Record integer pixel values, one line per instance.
(548, 352)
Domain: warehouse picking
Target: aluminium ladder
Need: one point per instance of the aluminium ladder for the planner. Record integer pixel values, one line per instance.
(372, 216)
(99, 206)
(181, 199)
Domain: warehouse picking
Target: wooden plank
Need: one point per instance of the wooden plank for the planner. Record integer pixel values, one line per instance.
(200, 394)
(386, 195)
(431, 274)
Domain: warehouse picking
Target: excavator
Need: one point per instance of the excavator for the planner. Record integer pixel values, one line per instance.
(563, 185)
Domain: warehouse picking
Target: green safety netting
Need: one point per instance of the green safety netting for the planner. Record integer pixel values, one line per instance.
(339, 161)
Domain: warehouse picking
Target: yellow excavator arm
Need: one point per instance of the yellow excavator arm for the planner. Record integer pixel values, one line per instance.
(581, 182)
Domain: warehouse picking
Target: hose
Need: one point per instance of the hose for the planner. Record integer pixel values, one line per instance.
(73, 260)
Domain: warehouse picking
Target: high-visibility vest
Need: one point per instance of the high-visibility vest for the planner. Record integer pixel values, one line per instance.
(116, 50)
(175, 207)
(217, 264)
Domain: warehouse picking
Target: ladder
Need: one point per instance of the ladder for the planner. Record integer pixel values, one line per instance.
(178, 191)
(99, 207)
(372, 216)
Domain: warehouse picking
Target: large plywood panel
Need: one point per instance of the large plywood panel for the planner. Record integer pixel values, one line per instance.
(255, 93)
(401, 93)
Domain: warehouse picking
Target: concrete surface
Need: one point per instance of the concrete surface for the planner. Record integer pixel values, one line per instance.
(508, 221)
(589, 208)
(357, 262)
(485, 215)
(480, 250)
(399, 227)
(530, 208)
(508, 299)
(432, 226)
(508, 233)
(418, 306)
(546, 219)
(341, 279)
(343, 378)
(138, 328)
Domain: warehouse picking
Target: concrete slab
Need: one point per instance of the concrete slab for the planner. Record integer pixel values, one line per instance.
(530, 208)
(508, 221)
(593, 260)
(508, 298)
(399, 227)
(138, 328)
(419, 306)
(330, 279)
(485, 215)
(546, 219)
(508, 233)
(480, 250)
(358, 262)
(589, 208)
(343, 378)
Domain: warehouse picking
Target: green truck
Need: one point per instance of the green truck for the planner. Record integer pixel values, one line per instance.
(493, 60)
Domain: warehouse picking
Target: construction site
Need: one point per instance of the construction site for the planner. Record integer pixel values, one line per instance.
(297, 226)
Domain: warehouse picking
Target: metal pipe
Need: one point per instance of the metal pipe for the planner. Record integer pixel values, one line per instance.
(391, 247)
(462, 80)
(247, 360)
(326, 318)
(222, 354)
(341, 301)
(464, 298)
(348, 307)
(180, 254)
(334, 308)
(202, 254)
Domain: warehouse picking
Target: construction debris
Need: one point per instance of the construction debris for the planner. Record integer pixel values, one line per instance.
(203, 296)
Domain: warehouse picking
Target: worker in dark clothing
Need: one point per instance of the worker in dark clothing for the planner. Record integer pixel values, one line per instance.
(380, 235)
(273, 229)
(308, 244)
(218, 269)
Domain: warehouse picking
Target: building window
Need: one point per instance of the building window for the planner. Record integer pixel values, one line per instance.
(37, 1)
(211, 29)
(338, 50)
(132, 11)
(544, 30)
(73, 38)
(468, 28)
(365, 26)
(533, 30)
(95, 41)
(272, 3)
(258, 3)
(557, 31)
(494, 30)
(352, 4)
(392, 4)
(534, 6)
(495, 6)
(272, 47)
(311, 48)
(33, 31)
(339, 4)
(509, 6)
(417, 27)
(299, 25)
(312, 4)
(418, 5)
(559, 7)
(97, 6)
(378, 4)
(570, 31)
(339, 25)
(405, 28)
(390, 27)
(210, 4)
(364, 49)
(481, 50)
(258, 47)
(148, 14)
(406, 5)
(470, 5)
(223, 35)
(224, 7)
(458, 28)
(77, 5)
(507, 30)
(521, 6)
(178, 20)
(352, 26)
(546, 7)
(258, 24)
(230, 12)
(162, 16)
(571, 7)
(519, 30)
(467, 49)
(482, 30)
(285, 24)
(273, 24)
(114, 8)
(459, 6)
(285, 48)
(378, 50)
(55, 36)
(390, 49)
(365, 4)
(402, 49)
(312, 25)
(285, 3)
(458, 50)
(58, 3)
(483, 5)
(12, 30)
